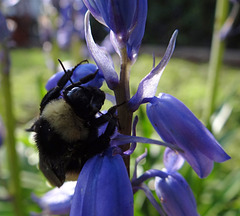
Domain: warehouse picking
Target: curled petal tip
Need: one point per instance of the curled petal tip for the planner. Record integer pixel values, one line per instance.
(100, 56)
(148, 86)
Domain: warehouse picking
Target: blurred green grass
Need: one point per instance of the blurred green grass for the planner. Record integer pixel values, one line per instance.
(216, 195)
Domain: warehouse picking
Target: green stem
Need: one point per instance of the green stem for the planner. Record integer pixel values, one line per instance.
(122, 95)
(13, 162)
(55, 51)
(75, 49)
(216, 57)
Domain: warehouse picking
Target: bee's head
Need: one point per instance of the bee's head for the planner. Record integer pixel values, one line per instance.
(85, 101)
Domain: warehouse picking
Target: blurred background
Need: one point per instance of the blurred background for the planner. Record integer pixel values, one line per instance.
(43, 31)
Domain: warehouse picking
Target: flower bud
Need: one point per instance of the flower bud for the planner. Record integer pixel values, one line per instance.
(175, 195)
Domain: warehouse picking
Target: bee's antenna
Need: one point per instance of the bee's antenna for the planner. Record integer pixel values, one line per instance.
(69, 78)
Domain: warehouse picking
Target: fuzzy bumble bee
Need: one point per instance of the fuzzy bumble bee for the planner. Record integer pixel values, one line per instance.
(66, 132)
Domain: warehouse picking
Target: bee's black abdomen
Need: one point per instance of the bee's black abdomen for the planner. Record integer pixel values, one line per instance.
(48, 141)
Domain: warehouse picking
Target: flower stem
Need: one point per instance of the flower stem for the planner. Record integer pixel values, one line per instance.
(13, 163)
(216, 57)
(122, 95)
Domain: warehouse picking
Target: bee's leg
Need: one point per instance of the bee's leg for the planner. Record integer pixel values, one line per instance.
(52, 94)
(111, 127)
(112, 120)
(111, 114)
(103, 141)
(112, 124)
(55, 92)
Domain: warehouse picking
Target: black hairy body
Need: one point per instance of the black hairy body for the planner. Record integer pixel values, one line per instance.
(67, 128)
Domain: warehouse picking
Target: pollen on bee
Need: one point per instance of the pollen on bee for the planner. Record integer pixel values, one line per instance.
(71, 176)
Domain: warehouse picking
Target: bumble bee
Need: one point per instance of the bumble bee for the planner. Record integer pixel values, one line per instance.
(66, 132)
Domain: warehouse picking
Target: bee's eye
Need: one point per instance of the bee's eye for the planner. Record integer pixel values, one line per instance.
(77, 95)
(74, 90)
(85, 101)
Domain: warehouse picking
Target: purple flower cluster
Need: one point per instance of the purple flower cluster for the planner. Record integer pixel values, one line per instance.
(71, 15)
(69, 21)
(103, 186)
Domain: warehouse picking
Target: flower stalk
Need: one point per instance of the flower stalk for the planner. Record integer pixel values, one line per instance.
(122, 95)
(13, 162)
(216, 57)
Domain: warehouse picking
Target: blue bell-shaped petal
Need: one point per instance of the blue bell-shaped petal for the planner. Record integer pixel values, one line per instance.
(136, 36)
(175, 195)
(173, 161)
(117, 15)
(176, 124)
(103, 188)
(79, 72)
(126, 19)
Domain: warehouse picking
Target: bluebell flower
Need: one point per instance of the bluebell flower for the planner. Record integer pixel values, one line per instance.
(79, 72)
(172, 189)
(126, 19)
(116, 15)
(175, 195)
(176, 124)
(103, 188)
(57, 200)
